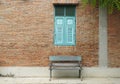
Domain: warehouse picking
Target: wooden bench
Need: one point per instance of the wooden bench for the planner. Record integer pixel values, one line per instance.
(65, 63)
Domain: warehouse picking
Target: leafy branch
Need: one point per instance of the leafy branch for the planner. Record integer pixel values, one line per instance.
(111, 5)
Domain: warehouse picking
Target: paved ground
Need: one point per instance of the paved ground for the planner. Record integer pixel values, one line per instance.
(34, 80)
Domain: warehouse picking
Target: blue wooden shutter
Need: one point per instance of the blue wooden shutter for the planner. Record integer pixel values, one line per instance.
(70, 30)
(59, 25)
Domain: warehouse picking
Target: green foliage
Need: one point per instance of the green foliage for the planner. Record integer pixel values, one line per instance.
(111, 5)
(92, 2)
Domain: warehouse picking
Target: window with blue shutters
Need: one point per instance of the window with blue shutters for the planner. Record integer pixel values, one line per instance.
(64, 25)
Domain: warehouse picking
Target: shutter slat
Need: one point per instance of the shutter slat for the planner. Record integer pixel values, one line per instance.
(59, 25)
(70, 29)
(70, 34)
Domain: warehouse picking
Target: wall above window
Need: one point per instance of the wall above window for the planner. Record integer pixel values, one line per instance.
(74, 2)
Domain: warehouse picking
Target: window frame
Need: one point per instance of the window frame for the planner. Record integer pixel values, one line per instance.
(65, 6)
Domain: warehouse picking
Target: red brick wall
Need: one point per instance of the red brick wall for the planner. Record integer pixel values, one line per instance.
(87, 35)
(26, 33)
(65, 1)
(114, 39)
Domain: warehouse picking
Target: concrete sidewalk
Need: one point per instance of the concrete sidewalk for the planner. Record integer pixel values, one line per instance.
(7, 80)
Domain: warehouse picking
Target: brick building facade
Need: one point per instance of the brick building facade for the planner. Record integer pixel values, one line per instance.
(114, 39)
(26, 33)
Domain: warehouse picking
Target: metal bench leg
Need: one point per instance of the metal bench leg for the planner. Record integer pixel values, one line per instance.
(79, 73)
(50, 74)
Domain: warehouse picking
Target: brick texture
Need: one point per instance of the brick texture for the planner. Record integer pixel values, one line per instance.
(114, 39)
(65, 2)
(26, 33)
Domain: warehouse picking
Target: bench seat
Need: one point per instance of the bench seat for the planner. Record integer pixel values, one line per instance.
(65, 63)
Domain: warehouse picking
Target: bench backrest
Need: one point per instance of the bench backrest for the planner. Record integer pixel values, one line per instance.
(65, 58)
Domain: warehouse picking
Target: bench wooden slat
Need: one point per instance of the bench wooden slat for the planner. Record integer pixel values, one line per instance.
(65, 58)
(64, 68)
(65, 64)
